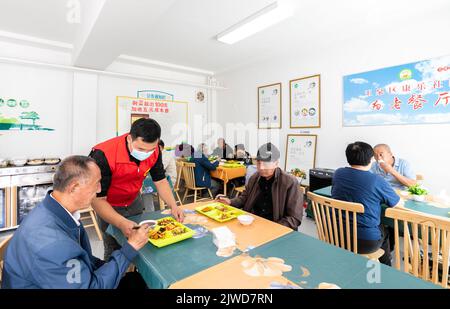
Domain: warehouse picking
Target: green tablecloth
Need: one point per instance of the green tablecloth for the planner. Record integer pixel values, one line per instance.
(409, 204)
(160, 267)
(327, 263)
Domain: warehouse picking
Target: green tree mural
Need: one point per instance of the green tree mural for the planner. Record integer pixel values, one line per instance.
(33, 116)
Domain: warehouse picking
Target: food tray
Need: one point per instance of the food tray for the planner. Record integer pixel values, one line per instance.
(219, 212)
(168, 236)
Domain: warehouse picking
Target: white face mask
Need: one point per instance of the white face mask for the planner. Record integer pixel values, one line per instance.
(141, 155)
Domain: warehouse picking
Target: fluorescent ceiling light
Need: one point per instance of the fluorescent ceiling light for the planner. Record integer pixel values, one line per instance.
(268, 16)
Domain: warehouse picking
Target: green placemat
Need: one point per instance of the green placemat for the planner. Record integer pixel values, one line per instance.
(160, 267)
(327, 263)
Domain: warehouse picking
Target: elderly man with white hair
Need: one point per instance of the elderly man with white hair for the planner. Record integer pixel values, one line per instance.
(271, 193)
(51, 248)
(396, 171)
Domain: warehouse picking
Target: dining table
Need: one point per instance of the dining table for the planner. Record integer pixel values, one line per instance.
(225, 174)
(195, 262)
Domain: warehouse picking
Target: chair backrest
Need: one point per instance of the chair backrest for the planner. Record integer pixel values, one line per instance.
(188, 174)
(179, 164)
(330, 214)
(302, 190)
(426, 245)
(3, 246)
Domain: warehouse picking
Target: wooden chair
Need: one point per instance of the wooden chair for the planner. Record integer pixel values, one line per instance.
(302, 190)
(90, 214)
(176, 187)
(239, 190)
(189, 178)
(328, 215)
(3, 246)
(421, 233)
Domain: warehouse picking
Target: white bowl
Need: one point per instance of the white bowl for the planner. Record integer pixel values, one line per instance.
(150, 223)
(245, 219)
(18, 162)
(418, 198)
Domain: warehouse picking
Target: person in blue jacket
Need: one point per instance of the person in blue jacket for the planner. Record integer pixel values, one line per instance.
(202, 170)
(51, 248)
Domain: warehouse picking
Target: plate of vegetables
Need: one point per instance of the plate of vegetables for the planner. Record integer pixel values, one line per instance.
(168, 231)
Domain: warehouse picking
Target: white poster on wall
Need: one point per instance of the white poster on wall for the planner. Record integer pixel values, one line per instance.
(172, 116)
(269, 106)
(305, 102)
(35, 112)
(300, 154)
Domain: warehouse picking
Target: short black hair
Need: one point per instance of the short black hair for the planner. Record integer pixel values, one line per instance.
(148, 129)
(161, 143)
(71, 168)
(359, 153)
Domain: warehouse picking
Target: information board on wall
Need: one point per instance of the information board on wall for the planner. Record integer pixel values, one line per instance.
(172, 116)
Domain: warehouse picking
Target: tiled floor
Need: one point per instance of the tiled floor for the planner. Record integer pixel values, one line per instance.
(308, 227)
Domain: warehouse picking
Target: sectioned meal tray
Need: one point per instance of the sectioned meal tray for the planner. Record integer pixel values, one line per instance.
(168, 231)
(219, 211)
(232, 165)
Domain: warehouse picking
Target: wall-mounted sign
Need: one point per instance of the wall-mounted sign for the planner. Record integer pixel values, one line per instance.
(413, 93)
(155, 94)
(16, 115)
(172, 116)
(269, 106)
(305, 102)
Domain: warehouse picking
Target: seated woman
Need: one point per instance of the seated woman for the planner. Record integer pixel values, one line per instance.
(169, 163)
(202, 171)
(203, 148)
(148, 186)
(271, 193)
(241, 154)
(357, 184)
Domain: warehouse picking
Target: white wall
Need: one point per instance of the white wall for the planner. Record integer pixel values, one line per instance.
(49, 93)
(81, 105)
(110, 87)
(425, 146)
(84, 112)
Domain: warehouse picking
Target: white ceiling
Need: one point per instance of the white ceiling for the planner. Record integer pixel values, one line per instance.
(44, 19)
(182, 32)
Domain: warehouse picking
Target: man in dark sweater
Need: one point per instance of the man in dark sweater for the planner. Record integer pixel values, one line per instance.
(270, 192)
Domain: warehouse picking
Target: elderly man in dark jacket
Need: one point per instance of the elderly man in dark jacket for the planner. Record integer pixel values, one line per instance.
(271, 193)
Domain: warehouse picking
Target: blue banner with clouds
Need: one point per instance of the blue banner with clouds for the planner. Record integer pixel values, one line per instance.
(413, 93)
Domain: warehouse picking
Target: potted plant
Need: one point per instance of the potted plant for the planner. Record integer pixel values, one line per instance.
(299, 174)
(417, 192)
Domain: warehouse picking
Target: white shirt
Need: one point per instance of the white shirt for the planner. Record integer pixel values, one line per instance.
(170, 165)
(75, 216)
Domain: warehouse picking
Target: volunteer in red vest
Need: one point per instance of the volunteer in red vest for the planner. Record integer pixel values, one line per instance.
(124, 162)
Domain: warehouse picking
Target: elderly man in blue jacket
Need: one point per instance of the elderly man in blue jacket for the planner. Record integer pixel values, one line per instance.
(51, 249)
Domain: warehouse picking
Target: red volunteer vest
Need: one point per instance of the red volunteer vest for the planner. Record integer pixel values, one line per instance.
(127, 177)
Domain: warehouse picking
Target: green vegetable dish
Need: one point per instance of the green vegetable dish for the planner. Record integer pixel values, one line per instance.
(417, 190)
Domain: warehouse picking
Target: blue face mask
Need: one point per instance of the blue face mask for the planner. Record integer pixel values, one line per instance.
(141, 155)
